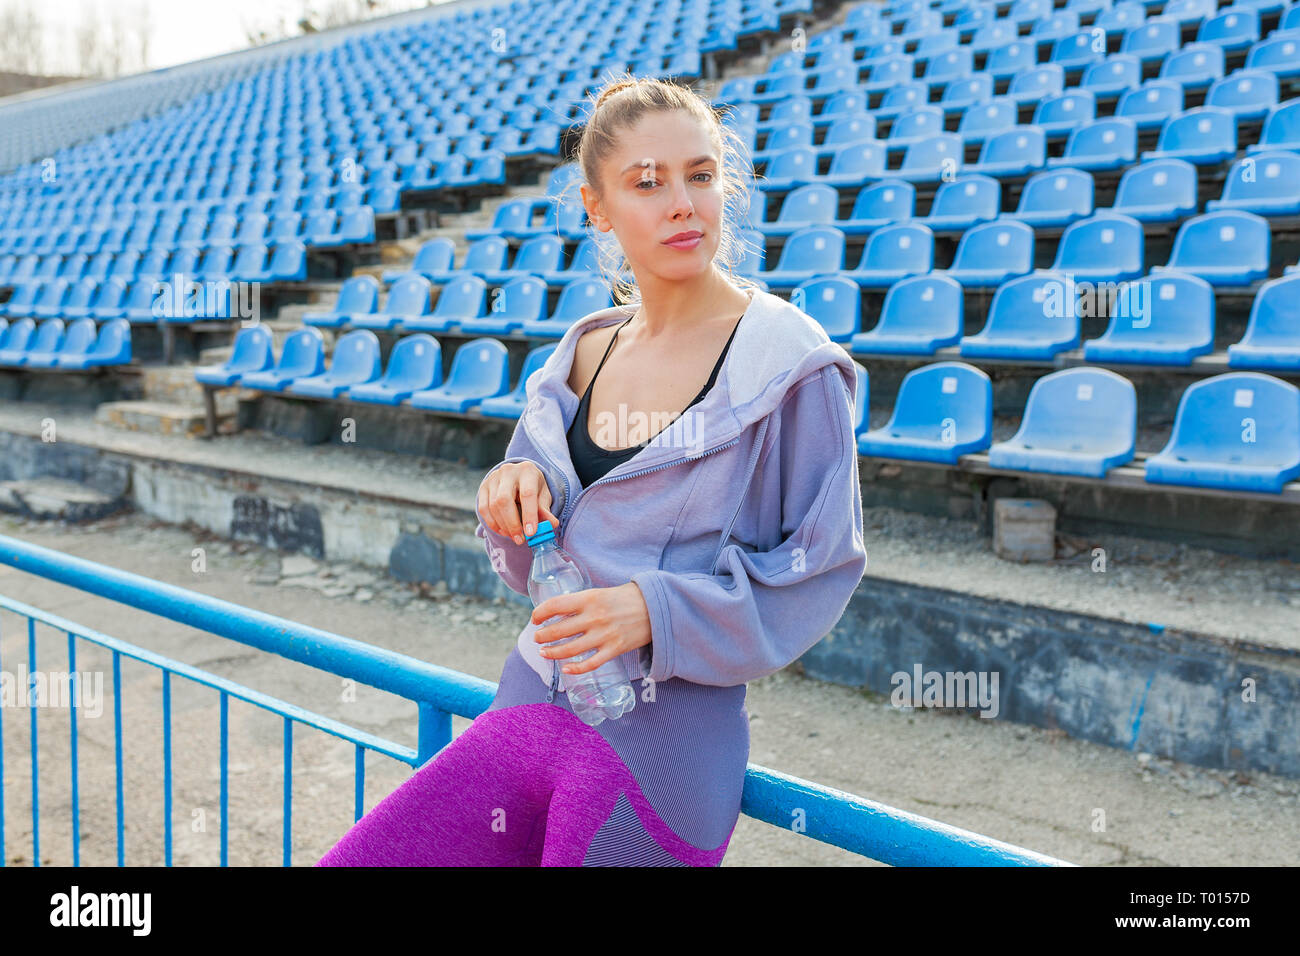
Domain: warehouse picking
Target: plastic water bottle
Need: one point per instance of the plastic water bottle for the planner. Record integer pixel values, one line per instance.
(596, 695)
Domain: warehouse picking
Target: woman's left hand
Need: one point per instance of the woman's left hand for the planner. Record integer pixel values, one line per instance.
(612, 620)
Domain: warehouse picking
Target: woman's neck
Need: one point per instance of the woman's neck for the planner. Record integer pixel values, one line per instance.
(669, 311)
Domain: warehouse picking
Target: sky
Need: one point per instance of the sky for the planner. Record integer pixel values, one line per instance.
(179, 30)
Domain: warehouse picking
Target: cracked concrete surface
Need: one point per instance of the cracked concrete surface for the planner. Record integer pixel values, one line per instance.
(1035, 788)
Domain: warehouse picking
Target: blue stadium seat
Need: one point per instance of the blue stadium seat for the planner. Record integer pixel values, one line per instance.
(1078, 50)
(355, 362)
(962, 202)
(1152, 40)
(1077, 421)
(76, 303)
(879, 205)
(1279, 54)
(1160, 190)
(810, 205)
(1063, 113)
(1195, 66)
(958, 95)
(578, 298)
(1152, 105)
(1272, 339)
(1054, 198)
(18, 336)
(485, 255)
(111, 346)
(1105, 247)
(1204, 136)
(521, 300)
(1229, 247)
(480, 369)
(809, 251)
(1120, 18)
(991, 253)
(1103, 145)
(1165, 319)
(983, 120)
(251, 353)
(1012, 59)
(852, 165)
(1247, 94)
(790, 168)
(834, 301)
(76, 340)
(1031, 317)
(861, 401)
(1113, 76)
(408, 297)
(435, 256)
(414, 364)
(1014, 152)
(919, 315)
(901, 98)
(916, 124)
(303, 356)
(584, 265)
(535, 256)
(1233, 29)
(891, 253)
(851, 128)
(943, 411)
(1047, 79)
(49, 302)
(932, 159)
(359, 296)
(1239, 431)
(108, 300)
(460, 301)
(1281, 130)
(46, 341)
(1267, 184)
(512, 405)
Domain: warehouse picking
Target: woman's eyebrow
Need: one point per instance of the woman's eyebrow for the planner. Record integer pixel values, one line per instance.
(640, 163)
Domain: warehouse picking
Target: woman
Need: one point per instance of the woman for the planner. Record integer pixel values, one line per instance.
(721, 545)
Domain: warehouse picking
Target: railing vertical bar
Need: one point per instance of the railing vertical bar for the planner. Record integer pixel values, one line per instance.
(224, 781)
(359, 783)
(167, 766)
(72, 723)
(288, 789)
(31, 707)
(117, 756)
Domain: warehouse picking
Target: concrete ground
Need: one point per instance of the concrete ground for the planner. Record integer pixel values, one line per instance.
(1082, 802)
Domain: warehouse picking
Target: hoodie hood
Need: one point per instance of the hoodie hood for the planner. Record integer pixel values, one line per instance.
(775, 346)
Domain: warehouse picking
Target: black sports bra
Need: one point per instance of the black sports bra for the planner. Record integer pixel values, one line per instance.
(592, 462)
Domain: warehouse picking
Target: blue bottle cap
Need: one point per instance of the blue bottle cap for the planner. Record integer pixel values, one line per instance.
(545, 532)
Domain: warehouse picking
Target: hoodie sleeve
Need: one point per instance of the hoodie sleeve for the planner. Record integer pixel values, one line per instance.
(764, 609)
(513, 561)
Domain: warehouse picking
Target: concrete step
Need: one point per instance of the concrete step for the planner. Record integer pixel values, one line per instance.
(164, 418)
(49, 498)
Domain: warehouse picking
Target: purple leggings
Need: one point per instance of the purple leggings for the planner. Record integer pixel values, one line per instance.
(524, 785)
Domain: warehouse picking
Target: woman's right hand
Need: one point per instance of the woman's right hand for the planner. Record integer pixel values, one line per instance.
(513, 497)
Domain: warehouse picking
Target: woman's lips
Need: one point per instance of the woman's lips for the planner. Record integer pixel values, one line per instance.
(690, 243)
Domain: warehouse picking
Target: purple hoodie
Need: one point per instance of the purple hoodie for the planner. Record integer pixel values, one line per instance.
(741, 522)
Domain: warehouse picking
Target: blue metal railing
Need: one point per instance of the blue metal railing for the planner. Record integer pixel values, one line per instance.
(861, 826)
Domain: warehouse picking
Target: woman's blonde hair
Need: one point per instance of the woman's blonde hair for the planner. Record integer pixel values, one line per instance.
(619, 105)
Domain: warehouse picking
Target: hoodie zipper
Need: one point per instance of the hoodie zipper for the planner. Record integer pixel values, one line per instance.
(571, 506)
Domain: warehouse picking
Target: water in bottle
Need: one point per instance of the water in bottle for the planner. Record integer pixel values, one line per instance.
(596, 695)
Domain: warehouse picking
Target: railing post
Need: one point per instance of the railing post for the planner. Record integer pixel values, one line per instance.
(434, 733)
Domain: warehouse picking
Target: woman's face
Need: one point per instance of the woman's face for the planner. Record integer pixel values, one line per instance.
(662, 180)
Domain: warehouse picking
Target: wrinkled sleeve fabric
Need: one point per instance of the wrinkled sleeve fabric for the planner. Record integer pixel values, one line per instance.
(762, 610)
(513, 561)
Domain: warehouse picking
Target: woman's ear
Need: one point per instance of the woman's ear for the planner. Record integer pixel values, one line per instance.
(592, 205)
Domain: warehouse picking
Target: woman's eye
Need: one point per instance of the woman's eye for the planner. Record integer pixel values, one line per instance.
(641, 182)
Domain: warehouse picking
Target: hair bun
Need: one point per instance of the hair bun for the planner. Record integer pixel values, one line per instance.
(614, 88)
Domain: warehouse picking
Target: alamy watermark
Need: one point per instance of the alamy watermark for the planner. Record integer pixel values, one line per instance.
(946, 689)
(182, 298)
